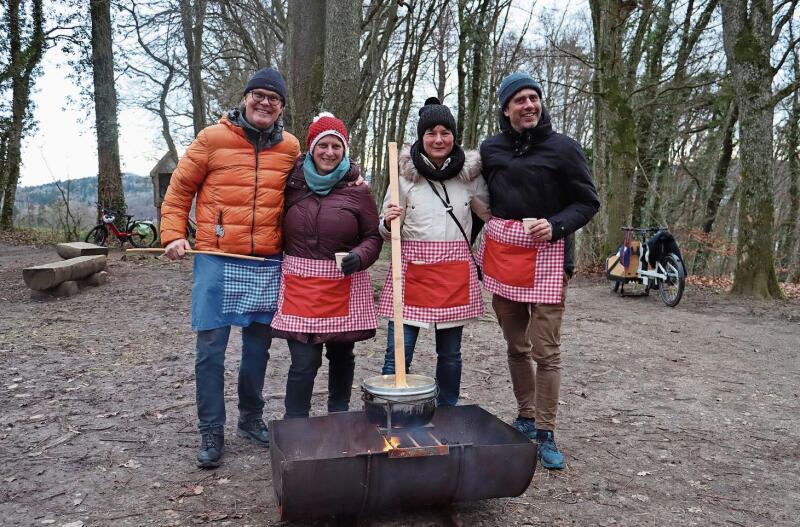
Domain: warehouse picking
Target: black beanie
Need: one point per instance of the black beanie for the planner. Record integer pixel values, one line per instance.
(434, 113)
(267, 79)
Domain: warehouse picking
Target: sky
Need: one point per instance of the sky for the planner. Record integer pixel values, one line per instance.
(64, 146)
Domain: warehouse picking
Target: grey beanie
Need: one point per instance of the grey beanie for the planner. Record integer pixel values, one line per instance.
(434, 113)
(512, 84)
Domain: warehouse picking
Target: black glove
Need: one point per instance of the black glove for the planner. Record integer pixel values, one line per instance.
(350, 264)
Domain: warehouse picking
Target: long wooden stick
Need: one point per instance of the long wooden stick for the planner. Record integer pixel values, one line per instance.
(397, 275)
(192, 251)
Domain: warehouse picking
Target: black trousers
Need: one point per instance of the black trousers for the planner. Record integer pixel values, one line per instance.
(306, 360)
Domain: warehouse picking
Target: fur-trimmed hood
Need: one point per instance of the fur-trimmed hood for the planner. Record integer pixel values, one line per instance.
(470, 170)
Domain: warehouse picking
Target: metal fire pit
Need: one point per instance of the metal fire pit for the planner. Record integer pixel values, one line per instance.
(342, 464)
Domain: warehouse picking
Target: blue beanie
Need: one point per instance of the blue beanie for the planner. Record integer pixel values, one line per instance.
(267, 79)
(514, 83)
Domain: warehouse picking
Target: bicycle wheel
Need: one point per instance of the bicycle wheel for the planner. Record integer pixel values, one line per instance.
(671, 289)
(143, 234)
(97, 235)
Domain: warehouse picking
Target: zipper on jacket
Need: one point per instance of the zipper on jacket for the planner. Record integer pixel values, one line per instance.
(255, 197)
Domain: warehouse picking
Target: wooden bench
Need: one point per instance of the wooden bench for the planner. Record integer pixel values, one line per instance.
(75, 249)
(64, 278)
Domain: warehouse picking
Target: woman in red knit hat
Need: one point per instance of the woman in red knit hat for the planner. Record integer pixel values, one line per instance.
(322, 302)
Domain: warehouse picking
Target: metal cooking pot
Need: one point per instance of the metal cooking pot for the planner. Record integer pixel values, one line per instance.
(391, 406)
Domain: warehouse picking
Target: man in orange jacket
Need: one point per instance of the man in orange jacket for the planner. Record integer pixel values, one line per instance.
(237, 170)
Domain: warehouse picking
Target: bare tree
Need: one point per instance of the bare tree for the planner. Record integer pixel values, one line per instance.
(25, 54)
(109, 177)
(749, 34)
(192, 18)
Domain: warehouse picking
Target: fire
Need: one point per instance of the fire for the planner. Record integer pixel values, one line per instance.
(392, 442)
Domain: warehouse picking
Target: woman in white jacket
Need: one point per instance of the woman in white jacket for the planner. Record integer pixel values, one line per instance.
(440, 186)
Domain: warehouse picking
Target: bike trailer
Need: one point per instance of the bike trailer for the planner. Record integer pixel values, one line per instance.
(615, 264)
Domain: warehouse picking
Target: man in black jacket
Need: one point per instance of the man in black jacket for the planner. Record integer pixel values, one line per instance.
(533, 172)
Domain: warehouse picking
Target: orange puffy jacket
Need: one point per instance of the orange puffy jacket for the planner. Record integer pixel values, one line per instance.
(239, 190)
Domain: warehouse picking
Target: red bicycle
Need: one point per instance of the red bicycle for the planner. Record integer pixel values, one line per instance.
(139, 233)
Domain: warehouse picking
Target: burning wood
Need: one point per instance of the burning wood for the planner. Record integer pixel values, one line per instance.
(416, 442)
(391, 442)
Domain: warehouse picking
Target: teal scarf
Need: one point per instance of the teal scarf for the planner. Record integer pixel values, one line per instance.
(322, 185)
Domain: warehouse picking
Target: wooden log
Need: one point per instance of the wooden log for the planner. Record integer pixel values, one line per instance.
(45, 276)
(75, 249)
(94, 280)
(64, 289)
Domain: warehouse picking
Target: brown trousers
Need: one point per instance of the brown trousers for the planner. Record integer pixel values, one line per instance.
(533, 335)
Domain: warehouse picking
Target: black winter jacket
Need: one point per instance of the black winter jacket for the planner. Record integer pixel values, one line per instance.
(539, 174)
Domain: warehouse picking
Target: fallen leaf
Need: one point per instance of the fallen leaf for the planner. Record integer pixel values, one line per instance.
(643, 473)
(132, 463)
(198, 490)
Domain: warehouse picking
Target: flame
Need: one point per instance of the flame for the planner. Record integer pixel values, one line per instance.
(392, 442)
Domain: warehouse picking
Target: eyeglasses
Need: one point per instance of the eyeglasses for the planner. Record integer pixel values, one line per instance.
(260, 96)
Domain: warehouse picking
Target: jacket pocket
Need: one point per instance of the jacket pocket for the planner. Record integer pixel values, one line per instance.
(219, 229)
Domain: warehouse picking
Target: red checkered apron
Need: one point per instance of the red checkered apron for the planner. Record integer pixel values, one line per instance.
(440, 283)
(519, 269)
(315, 297)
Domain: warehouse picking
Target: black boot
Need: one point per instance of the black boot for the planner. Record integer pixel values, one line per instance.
(254, 431)
(211, 450)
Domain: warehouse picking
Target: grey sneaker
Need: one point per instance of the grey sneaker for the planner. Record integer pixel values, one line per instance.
(255, 431)
(212, 447)
(526, 426)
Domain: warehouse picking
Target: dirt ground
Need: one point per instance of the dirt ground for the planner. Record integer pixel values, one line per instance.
(685, 416)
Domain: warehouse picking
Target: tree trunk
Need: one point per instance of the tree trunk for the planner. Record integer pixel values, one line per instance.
(747, 38)
(109, 178)
(306, 58)
(23, 60)
(341, 59)
(609, 24)
(788, 253)
(193, 16)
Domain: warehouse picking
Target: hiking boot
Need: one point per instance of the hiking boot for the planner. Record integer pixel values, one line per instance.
(211, 449)
(526, 426)
(549, 454)
(255, 431)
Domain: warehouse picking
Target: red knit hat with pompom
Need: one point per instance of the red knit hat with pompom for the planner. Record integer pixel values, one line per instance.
(326, 124)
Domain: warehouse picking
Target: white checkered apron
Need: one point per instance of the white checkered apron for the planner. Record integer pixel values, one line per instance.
(434, 252)
(548, 283)
(362, 307)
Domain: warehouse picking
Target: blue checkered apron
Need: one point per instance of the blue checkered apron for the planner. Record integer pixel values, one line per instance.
(234, 292)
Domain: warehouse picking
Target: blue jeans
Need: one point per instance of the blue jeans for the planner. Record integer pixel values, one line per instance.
(209, 370)
(448, 359)
(306, 360)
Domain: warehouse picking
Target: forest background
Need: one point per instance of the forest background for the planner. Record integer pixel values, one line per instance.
(687, 110)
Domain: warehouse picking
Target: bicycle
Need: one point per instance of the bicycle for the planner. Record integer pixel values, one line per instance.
(139, 233)
(653, 262)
